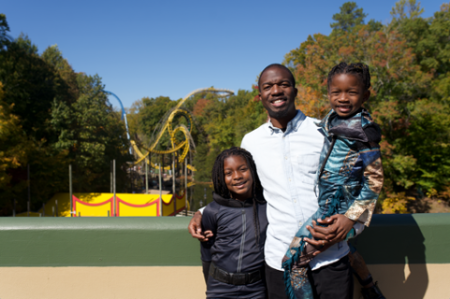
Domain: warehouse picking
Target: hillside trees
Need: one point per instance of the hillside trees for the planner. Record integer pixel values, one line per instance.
(408, 91)
(52, 117)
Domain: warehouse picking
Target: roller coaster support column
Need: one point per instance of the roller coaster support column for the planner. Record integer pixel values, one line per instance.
(114, 187)
(29, 190)
(70, 190)
(173, 174)
(160, 192)
(146, 176)
(185, 185)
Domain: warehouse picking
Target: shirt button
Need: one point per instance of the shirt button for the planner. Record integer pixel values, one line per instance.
(286, 157)
(295, 201)
(300, 223)
(289, 179)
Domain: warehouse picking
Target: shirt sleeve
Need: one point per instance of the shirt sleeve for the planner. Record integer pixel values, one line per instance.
(243, 143)
(209, 222)
(364, 204)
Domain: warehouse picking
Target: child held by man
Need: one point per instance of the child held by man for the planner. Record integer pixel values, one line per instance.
(350, 174)
(233, 258)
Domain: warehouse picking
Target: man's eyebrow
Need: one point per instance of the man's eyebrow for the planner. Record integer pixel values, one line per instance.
(272, 83)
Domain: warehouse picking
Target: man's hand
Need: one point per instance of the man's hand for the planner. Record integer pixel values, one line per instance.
(336, 231)
(195, 228)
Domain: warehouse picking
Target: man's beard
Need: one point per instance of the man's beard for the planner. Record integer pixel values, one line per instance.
(279, 114)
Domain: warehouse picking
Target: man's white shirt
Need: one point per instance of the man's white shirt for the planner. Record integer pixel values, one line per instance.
(286, 164)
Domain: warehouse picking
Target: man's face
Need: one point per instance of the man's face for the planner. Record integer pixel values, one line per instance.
(277, 93)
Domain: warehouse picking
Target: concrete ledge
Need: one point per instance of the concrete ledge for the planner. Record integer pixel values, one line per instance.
(164, 241)
(62, 242)
(410, 238)
(157, 258)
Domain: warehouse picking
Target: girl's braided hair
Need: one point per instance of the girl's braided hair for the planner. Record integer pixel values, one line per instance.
(357, 69)
(220, 187)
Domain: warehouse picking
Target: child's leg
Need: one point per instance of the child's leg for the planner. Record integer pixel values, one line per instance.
(359, 267)
(370, 289)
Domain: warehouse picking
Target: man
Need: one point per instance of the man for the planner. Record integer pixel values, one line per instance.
(286, 152)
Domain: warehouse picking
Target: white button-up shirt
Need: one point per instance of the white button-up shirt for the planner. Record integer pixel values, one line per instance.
(286, 164)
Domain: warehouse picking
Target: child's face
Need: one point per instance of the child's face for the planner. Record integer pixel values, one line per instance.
(346, 94)
(238, 177)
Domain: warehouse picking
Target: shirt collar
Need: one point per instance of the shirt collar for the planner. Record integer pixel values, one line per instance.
(293, 125)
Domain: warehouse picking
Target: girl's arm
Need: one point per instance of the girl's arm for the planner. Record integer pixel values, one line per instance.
(364, 204)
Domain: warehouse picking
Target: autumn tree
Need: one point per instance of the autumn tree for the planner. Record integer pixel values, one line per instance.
(407, 94)
(51, 117)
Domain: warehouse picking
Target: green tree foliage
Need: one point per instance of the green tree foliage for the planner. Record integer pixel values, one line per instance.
(4, 29)
(51, 117)
(409, 60)
(13, 150)
(349, 17)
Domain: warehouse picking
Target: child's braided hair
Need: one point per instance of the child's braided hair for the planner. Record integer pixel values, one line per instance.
(357, 69)
(220, 187)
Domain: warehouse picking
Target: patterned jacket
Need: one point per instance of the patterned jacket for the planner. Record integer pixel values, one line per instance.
(352, 176)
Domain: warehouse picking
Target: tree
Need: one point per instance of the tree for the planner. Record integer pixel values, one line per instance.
(4, 28)
(13, 151)
(29, 83)
(348, 17)
(98, 137)
(408, 60)
(406, 9)
(51, 117)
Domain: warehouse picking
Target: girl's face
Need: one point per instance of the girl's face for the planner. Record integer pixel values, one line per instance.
(347, 94)
(238, 177)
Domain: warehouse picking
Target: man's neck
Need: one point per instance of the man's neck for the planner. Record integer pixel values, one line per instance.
(283, 122)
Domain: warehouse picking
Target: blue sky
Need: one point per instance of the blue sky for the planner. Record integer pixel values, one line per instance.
(169, 48)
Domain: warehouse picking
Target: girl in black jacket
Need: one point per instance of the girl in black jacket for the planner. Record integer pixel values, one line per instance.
(233, 259)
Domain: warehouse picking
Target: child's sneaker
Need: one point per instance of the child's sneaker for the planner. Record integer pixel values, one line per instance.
(372, 293)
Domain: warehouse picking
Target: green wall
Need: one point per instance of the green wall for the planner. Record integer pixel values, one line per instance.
(56, 242)
(99, 241)
(411, 238)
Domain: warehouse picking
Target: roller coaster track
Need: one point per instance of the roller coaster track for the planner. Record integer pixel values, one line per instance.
(167, 125)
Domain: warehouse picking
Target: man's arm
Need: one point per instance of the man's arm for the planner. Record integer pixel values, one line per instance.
(195, 227)
(324, 237)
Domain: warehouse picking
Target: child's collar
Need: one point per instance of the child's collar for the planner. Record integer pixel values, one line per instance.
(351, 128)
(230, 202)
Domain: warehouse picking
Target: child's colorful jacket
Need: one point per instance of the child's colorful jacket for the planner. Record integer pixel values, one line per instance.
(350, 178)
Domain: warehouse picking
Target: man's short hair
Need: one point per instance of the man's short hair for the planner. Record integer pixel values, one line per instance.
(278, 65)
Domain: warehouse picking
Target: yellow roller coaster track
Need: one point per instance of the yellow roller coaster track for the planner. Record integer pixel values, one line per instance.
(172, 132)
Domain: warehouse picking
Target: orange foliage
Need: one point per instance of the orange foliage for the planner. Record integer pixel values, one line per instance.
(200, 106)
(311, 102)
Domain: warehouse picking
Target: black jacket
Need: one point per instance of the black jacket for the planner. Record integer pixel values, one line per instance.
(233, 247)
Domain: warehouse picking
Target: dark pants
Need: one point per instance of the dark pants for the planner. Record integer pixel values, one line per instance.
(334, 281)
